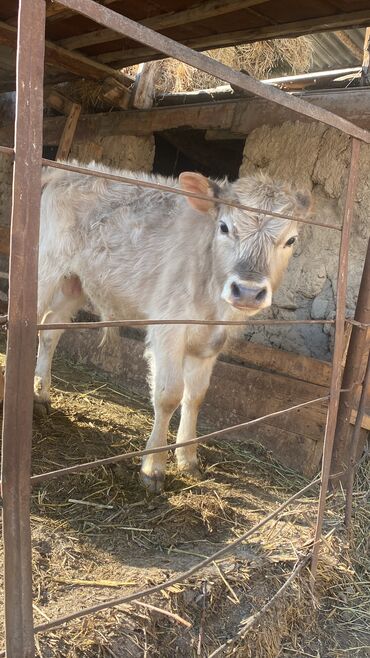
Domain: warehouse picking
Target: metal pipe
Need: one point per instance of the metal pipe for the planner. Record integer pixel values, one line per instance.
(163, 44)
(22, 331)
(335, 384)
(352, 372)
(144, 323)
(354, 444)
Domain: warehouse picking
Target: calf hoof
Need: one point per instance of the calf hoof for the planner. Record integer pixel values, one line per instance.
(191, 470)
(154, 484)
(41, 408)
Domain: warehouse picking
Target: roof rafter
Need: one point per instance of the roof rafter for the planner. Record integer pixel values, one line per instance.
(281, 30)
(198, 12)
(64, 59)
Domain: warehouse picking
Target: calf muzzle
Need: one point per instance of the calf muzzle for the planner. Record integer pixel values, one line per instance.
(248, 295)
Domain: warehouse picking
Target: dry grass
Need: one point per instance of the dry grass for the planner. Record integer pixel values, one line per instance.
(95, 536)
(260, 59)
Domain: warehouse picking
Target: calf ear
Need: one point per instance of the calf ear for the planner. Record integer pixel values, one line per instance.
(192, 182)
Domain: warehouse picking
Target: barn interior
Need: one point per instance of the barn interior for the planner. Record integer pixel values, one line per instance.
(105, 100)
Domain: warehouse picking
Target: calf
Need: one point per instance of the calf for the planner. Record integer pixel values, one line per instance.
(143, 253)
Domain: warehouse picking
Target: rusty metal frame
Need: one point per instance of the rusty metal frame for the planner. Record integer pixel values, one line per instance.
(22, 322)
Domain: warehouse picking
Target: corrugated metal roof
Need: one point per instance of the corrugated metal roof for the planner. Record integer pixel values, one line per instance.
(330, 51)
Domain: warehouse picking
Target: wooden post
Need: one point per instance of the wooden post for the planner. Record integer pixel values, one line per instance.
(365, 74)
(22, 332)
(352, 373)
(143, 88)
(66, 106)
(66, 139)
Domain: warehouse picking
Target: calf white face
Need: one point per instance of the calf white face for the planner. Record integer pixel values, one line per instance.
(251, 250)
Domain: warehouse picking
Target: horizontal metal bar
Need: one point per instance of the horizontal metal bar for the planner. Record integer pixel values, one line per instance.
(135, 596)
(163, 44)
(144, 323)
(35, 479)
(176, 190)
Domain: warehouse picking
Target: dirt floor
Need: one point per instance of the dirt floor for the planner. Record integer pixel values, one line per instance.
(96, 536)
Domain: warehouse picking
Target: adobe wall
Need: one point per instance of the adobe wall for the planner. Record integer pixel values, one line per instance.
(124, 152)
(316, 157)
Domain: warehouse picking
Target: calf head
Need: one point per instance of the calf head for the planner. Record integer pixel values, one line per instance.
(250, 250)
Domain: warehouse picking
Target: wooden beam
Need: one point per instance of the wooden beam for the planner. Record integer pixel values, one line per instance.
(64, 59)
(59, 102)
(115, 93)
(281, 30)
(290, 364)
(199, 12)
(221, 135)
(365, 74)
(365, 421)
(56, 12)
(239, 116)
(66, 139)
(144, 86)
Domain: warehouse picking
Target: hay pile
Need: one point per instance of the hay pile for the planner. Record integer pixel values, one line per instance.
(261, 60)
(96, 536)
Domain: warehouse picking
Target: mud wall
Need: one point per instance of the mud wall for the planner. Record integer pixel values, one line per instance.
(124, 152)
(316, 157)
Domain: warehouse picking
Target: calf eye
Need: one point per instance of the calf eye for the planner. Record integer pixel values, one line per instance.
(290, 242)
(224, 227)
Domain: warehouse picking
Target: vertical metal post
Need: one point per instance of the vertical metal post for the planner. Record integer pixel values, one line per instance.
(22, 331)
(352, 373)
(335, 383)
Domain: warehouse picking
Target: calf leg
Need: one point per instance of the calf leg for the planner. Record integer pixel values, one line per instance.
(65, 303)
(167, 389)
(197, 373)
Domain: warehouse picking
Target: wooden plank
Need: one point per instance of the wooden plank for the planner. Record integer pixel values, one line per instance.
(114, 92)
(58, 102)
(275, 31)
(66, 140)
(67, 60)
(144, 86)
(240, 116)
(293, 365)
(365, 76)
(365, 421)
(56, 12)
(196, 13)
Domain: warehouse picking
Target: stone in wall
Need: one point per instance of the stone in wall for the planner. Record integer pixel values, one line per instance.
(124, 152)
(315, 157)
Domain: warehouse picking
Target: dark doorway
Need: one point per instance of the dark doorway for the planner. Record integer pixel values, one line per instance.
(189, 150)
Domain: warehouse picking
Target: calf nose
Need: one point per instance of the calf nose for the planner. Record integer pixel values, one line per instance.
(252, 297)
